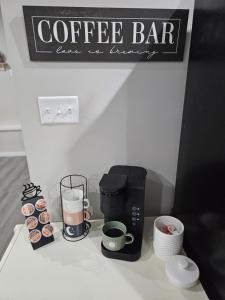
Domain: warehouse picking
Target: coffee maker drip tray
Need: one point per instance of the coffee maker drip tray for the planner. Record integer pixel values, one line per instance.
(129, 252)
(122, 193)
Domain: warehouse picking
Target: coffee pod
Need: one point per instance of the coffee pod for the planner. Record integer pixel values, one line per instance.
(47, 230)
(31, 222)
(35, 236)
(41, 205)
(27, 209)
(44, 217)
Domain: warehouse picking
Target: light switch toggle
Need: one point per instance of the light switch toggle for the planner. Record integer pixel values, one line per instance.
(59, 109)
(47, 110)
(59, 112)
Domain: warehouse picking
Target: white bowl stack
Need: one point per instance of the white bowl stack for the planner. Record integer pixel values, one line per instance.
(164, 244)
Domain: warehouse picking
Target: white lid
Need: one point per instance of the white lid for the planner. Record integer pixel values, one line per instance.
(182, 271)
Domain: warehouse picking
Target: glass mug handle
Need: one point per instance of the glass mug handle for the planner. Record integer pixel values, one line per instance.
(87, 215)
(131, 238)
(86, 203)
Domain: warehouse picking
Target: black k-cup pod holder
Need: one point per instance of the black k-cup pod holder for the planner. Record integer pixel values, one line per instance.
(37, 218)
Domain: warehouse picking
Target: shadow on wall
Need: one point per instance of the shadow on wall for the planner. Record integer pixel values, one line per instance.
(159, 194)
(117, 137)
(140, 126)
(122, 134)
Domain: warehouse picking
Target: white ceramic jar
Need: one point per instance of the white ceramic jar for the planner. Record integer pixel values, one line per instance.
(165, 244)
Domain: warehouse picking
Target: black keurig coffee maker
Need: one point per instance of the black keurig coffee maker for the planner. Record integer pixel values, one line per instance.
(122, 194)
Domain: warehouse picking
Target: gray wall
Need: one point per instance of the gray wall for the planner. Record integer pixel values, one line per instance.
(129, 113)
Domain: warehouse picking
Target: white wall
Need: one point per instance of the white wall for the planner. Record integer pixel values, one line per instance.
(130, 113)
(8, 106)
(11, 141)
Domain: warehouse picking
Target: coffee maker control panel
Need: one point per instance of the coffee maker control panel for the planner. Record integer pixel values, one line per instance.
(135, 215)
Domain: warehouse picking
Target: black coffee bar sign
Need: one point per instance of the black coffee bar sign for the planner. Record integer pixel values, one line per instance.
(105, 34)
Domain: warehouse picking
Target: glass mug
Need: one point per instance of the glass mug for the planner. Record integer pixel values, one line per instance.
(75, 212)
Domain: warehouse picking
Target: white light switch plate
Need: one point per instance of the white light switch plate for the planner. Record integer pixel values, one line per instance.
(59, 109)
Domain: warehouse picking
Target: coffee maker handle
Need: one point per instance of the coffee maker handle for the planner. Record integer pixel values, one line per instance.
(130, 238)
(86, 203)
(87, 215)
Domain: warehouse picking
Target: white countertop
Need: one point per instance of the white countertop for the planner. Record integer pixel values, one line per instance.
(66, 270)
